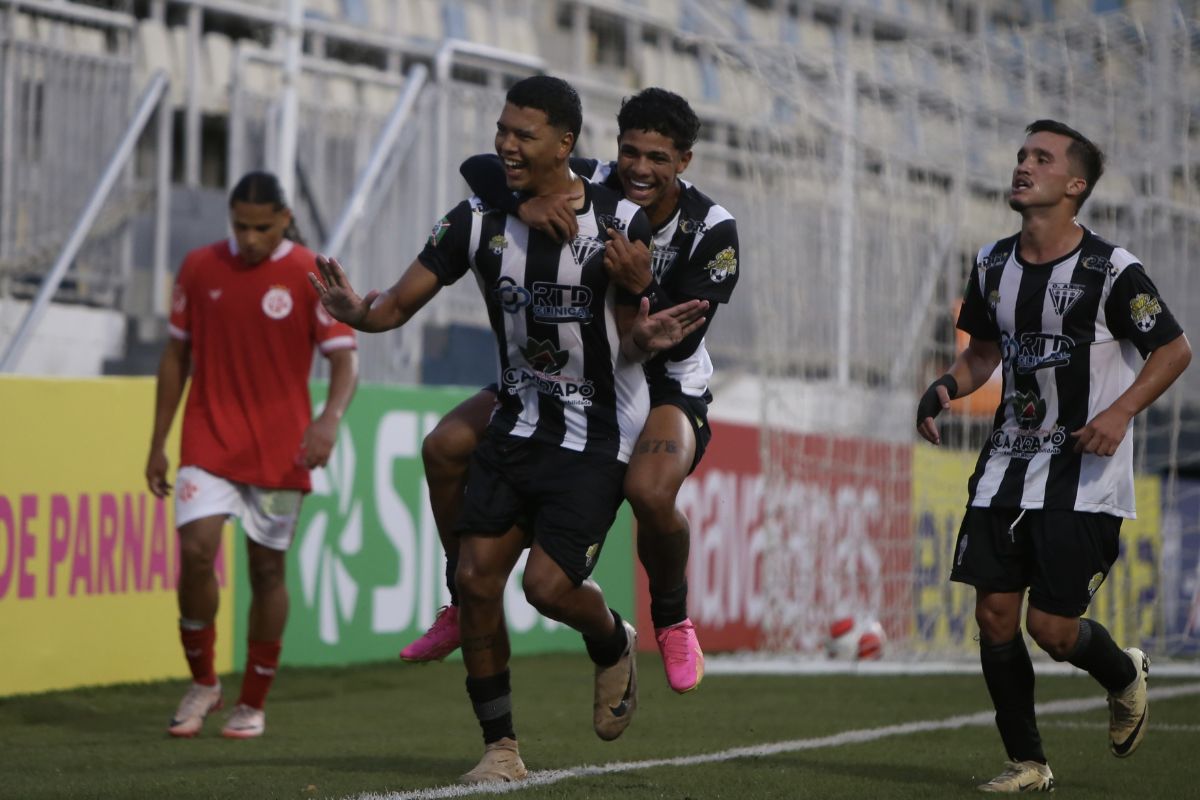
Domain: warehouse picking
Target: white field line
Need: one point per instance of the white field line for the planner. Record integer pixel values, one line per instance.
(785, 665)
(552, 776)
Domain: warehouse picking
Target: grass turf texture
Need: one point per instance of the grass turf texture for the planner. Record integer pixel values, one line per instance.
(335, 733)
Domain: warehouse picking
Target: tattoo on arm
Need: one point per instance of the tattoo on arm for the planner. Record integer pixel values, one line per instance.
(658, 446)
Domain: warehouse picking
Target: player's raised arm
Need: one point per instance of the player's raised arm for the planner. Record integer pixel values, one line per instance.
(643, 334)
(376, 311)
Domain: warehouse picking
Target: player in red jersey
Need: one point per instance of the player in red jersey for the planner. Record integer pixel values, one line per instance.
(244, 322)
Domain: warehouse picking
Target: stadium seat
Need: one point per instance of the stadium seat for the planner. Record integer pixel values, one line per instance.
(155, 50)
(480, 26)
(85, 39)
(385, 16)
(324, 9)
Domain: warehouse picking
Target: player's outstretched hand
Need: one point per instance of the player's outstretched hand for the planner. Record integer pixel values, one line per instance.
(669, 327)
(156, 474)
(338, 296)
(552, 214)
(627, 263)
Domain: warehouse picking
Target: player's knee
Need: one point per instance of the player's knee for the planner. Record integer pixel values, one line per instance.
(196, 555)
(476, 585)
(996, 628)
(653, 503)
(447, 448)
(1055, 641)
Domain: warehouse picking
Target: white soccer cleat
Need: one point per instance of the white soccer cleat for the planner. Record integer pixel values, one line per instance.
(245, 723)
(1129, 711)
(616, 692)
(1021, 776)
(193, 708)
(501, 763)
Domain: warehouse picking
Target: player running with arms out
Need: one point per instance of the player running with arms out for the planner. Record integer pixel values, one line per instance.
(572, 398)
(244, 324)
(694, 255)
(1067, 316)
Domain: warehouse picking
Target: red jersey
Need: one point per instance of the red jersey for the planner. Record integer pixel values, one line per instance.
(252, 331)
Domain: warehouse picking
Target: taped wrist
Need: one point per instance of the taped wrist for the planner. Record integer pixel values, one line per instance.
(654, 293)
(930, 405)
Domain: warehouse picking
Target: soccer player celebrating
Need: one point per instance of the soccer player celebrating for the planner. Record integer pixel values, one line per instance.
(1067, 315)
(572, 397)
(244, 323)
(694, 255)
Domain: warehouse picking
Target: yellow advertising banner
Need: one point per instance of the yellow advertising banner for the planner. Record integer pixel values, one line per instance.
(89, 558)
(945, 611)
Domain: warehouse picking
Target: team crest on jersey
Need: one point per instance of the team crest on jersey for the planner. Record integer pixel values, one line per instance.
(993, 300)
(178, 300)
(277, 302)
(695, 226)
(561, 302)
(544, 357)
(584, 248)
(606, 221)
(497, 244)
(511, 297)
(724, 265)
(661, 259)
(439, 230)
(1144, 310)
(1064, 295)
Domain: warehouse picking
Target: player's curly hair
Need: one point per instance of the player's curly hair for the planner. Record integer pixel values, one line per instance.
(1088, 158)
(263, 188)
(554, 96)
(661, 111)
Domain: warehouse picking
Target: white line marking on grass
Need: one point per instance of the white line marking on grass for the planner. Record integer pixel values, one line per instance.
(552, 776)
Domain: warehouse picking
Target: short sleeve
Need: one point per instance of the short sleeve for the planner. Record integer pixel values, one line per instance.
(179, 325)
(974, 317)
(446, 250)
(714, 267)
(1135, 311)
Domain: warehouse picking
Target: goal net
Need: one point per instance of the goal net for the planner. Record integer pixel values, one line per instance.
(865, 169)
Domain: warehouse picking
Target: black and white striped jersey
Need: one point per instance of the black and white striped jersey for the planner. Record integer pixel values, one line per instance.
(1072, 335)
(562, 378)
(694, 256)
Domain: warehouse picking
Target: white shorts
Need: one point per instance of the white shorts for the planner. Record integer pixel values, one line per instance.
(268, 516)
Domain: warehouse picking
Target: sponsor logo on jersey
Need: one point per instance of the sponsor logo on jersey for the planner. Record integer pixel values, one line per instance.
(1144, 310)
(1027, 444)
(724, 265)
(1098, 264)
(607, 221)
(993, 260)
(695, 226)
(661, 259)
(277, 302)
(439, 230)
(497, 244)
(1036, 351)
(561, 302)
(583, 248)
(1064, 295)
(1029, 409)
(544, 357)
(511, 297)
(1094, 583)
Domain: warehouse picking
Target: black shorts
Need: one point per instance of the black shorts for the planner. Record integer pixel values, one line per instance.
(1062, 556)
(696, 411)
(569, 499)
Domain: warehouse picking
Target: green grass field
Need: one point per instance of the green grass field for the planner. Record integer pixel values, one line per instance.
(392, 728)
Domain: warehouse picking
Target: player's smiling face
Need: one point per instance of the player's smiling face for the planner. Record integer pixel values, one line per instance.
(258, 229)
(1043, 174)
(648, 165)
(531, 149)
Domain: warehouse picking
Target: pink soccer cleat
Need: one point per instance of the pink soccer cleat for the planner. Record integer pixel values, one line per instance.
(682, 658)
(439, 641)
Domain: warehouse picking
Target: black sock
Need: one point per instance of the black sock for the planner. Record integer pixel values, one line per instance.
(451, 568)
(606, 652)
(492, 700)
(668, 608)
(1096, 653)
(1008, 673)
